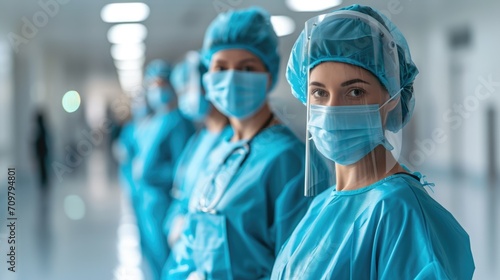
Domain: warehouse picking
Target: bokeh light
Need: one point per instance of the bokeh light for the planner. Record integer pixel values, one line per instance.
(71, 101)
(74, 207)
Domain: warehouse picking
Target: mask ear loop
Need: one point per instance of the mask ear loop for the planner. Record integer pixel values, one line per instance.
(387, 144)
(391, 99)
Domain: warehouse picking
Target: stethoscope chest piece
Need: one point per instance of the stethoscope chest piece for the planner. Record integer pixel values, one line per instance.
(217, 184)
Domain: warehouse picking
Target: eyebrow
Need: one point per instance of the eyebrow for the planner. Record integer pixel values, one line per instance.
(223, 62)
(318, 84)
(250, 59)
(344, 84)
(220, 61)
(353, 81)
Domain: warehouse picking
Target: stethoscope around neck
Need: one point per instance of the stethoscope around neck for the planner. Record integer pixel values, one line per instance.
(241, 152)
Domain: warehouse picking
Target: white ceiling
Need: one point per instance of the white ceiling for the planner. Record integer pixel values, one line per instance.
(174, 27)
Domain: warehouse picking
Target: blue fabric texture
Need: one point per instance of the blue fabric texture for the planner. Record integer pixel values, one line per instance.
(236, 94)
(248, 29)
(192, 102)
(260, 203)
(126, 143)
(157, 69)
(190, 164)
(345, 134)
(158, 97)
(160, 141)
(349, 40)
(391, 229)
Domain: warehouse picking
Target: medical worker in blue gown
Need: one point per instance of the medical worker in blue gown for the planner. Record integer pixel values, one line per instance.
(125, 148)
(160, 141)
(186, 80)
(249, 197)
(353, 69)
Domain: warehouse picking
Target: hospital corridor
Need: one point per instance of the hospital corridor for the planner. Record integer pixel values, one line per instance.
(249, 139)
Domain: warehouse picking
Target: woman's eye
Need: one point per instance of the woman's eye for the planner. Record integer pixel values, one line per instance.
(219, 68)
(319, 93)
(356, 93)
(248, 68)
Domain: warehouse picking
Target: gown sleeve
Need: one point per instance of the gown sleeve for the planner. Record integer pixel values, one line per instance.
(159, 163)
(290, 205)
(418, 239)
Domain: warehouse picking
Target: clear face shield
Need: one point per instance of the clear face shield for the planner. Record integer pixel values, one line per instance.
(354, 115)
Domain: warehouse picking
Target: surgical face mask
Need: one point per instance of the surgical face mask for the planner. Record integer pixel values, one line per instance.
(158, 97)
(236, 94)
(346, 134)
(194, 106)
(139, 111)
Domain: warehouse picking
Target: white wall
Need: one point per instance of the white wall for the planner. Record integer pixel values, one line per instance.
(42, 76)
(6, 109)
(465, 146)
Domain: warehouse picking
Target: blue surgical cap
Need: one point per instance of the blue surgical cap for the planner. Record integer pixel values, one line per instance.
(180, 75)
(353, 41)
(182, 71)
(157, 69)
(249, 29)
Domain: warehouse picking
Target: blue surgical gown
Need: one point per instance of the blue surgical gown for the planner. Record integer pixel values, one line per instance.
(261, 203)
(126, 144)
(160, 141)
(190, 164)
(391, 229)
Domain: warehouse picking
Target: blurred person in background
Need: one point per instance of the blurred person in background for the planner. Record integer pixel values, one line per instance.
(249, 196)
(41, 149)
(160, 140)
(125, 150)
(116, 125)
(353, 69)
(186, 79)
